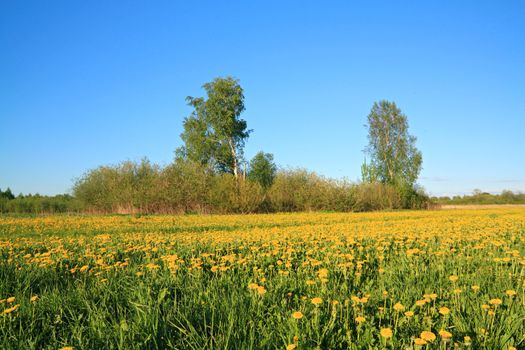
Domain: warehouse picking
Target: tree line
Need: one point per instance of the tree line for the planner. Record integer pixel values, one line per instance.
(480, 197)
(210, 173)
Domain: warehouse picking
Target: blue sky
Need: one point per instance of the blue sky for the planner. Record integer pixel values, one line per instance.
(88, 83)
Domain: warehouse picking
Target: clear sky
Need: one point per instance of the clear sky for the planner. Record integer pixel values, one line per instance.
(88, 83)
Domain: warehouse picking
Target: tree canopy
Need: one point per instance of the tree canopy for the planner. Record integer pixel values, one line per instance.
(214, 134)
(394, 158)
(262, 169)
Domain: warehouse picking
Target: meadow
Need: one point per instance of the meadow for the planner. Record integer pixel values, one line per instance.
(396, 280)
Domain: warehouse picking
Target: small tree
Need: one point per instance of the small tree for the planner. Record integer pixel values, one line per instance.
(262, 170)
(214, 133)
(394, 157)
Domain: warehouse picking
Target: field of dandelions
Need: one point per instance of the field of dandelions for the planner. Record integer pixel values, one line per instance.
(400, 280)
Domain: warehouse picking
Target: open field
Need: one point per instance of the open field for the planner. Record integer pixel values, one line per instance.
(425, 279)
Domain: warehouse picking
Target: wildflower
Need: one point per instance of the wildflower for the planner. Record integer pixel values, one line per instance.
(360, 319)
(317, 301)
(428, 336)
(261, 290)
(291, 346)
(11, 309)
(444, 310)
(419, 341)
(467, 340)
(11, 300)
(253, 286)
(475, 288)
(510, 292)
(84, 268)
(34, 298)
(495, 301)
(421, 302)
(409, 313)
(453, 278)
(386, 332)
(399, 307)
(445, 334)
(297, 315)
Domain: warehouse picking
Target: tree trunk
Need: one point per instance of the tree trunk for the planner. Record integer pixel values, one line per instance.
(234, 154)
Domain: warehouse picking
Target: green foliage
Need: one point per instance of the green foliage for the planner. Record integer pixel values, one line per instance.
(7, 194)
(262, 170)
(214, 134)
(125, 188)
(395, 159)
(37, 204)
(479, 197)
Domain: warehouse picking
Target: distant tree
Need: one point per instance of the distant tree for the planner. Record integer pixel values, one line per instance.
(394, 157)
(214, 133)
(7, 194)
(262, 169)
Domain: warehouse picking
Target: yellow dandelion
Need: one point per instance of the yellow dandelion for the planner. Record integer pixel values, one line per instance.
(409, 313)
(316, 301)
(386, 332)
(11, 299)
(445, 334)
(453, 278)
(399, 307)
(419, 341)
(297, 315)
(428, 336)
(34, 298)
(261, 290)
(444, 310)
(421, 302)
(291, 346)
(510, 292)
(11, 309)
(360, 319)
(495, 301)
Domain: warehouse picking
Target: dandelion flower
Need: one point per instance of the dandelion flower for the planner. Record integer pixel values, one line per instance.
(317, 301)
(386, 332)
(496, 301)
(444, 310)
(399, 307)
(445, 334)
(360, 319)
(297, 315)
(510, 292)
(428, 336)
(11, 309)
(419, 341)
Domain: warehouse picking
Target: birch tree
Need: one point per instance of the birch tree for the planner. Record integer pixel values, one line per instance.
(394, 157)
(214, 134)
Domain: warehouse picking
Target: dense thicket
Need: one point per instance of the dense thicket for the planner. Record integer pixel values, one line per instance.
(189, 187)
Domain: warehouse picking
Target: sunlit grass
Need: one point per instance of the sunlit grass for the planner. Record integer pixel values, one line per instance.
(400, 280)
